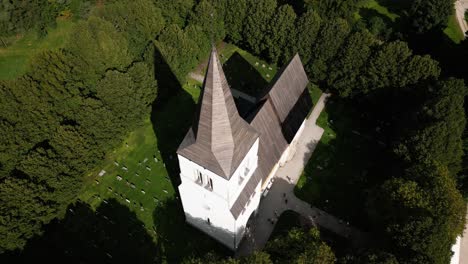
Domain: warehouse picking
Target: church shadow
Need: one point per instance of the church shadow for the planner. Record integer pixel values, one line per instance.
(111, 234)
(242, 76)
(178, 240)
(171, 116)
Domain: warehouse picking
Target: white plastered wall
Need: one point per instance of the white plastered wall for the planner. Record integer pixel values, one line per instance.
(200, 203)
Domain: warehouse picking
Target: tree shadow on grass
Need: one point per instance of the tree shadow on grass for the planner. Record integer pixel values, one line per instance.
(243, 77)
(342, 167)
(379, 24)
(111, 234)
(179, 240)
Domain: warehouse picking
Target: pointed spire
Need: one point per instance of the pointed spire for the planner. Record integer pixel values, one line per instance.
(220, 135)
(218, 114)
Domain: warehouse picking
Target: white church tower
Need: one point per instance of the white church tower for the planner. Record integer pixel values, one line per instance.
(217, 159)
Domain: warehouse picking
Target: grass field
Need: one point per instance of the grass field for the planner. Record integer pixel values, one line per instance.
(453, 30)
(14, 60)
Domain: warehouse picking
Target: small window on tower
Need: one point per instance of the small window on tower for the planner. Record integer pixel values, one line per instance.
(200, 177)
(210, 184)
(241, 179)
(208, 221)
(247, 167)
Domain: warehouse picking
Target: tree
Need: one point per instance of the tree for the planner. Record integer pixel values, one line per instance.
(420, 212)
(333, 8)
(394, 66)
(99, 45)
(346, 69)
(234, 19)
(140, 21)
(331, 36)
(298, 246)
(17, 17)
(281, 32)
(307, 28)
(24, 208)
(426, 15)
(257, 23)
(175, 12)
(179, 50)
(441, 126)
(208, 19)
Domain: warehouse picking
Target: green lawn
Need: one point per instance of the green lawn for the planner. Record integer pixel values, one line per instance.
(335, 176)
(138, 158)
(453, 30)
(374, 5)
(314, 92)
(14, 60)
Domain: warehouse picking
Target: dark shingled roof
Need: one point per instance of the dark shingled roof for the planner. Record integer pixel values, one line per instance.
(276, 133)
(219, 138)
(288, 86)
(245, 195)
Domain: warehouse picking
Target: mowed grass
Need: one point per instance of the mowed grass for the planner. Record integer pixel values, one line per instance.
(453, 30)
(140, 165)
(314, 92)
(15, 59)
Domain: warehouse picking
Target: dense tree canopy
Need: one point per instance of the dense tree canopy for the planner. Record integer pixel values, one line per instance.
(77, 103)
(425, 15)
(281, 32)
(257, 22)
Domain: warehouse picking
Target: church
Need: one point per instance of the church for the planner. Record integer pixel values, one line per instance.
(227, 160)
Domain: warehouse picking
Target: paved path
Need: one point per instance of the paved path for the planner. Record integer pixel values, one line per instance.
(460, 7)
(196, 76)
(464, 243)
(283, 188)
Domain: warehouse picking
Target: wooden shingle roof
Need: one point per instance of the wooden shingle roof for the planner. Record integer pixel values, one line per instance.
(277, 120)
(219, 138)
(288, 86)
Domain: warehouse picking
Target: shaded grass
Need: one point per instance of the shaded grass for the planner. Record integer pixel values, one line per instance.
(15, 60)
(243, 76)
(374, 5)
(453, 30)
(229, 49)
(336, 176)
